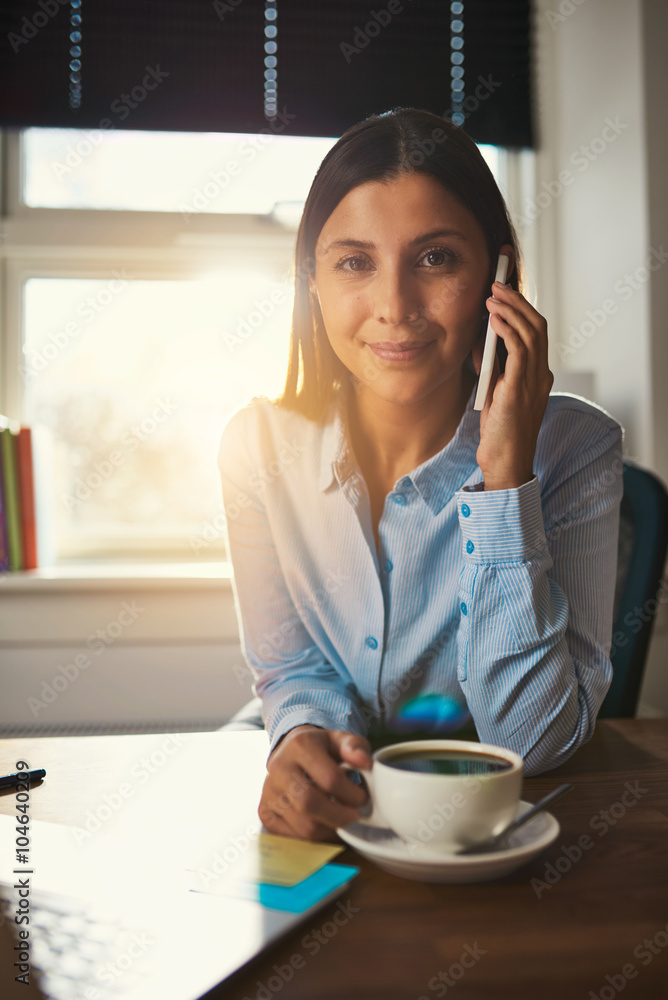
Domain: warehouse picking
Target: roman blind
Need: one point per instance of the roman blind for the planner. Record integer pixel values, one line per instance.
(299, 67)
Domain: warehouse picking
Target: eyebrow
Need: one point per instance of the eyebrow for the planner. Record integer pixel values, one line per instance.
(423, 238)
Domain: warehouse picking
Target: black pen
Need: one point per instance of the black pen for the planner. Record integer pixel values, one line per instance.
(9, 780)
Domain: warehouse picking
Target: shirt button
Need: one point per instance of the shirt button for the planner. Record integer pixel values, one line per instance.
(466, 510)
(465, 610)
(399, 498)
(388, 565)
(371, 642)
(470, 546)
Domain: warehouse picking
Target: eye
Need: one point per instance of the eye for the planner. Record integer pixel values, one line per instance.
(437, 257)
(352, 264)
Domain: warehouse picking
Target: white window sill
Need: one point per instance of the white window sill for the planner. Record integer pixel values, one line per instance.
(102, 576)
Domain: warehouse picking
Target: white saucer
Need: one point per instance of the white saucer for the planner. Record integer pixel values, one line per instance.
(416, 861)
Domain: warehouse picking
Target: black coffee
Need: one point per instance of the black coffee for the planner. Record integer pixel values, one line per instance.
(448, 762)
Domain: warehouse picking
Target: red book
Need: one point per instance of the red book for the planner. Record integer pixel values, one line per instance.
(27, 498)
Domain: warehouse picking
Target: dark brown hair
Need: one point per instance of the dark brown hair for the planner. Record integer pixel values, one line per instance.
(381, 147)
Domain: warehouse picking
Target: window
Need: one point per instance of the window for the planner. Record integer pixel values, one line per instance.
(148, 296)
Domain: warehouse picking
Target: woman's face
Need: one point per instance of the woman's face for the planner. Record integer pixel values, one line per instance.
(401, 275)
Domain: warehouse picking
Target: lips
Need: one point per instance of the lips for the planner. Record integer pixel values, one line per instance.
(401, 351)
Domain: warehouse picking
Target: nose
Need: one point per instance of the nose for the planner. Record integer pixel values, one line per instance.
(395, 298)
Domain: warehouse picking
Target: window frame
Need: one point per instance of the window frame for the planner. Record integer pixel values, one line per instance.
(92, 243)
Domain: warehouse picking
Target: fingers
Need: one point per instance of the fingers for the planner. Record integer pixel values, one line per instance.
(323, 768)
(510, 422)
(496, 374)
(519, 317)
(307, 812)
(307, 793)
(354, 750)
(504, 295)
(291, 824)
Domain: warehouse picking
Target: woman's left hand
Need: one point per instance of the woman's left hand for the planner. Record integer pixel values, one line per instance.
(516, 401)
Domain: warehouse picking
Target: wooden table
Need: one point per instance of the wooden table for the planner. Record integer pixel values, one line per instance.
(588, 918)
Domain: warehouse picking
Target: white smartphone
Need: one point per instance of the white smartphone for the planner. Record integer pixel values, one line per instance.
(489, 352)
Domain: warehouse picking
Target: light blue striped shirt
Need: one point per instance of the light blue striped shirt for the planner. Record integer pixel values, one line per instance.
(501, 600)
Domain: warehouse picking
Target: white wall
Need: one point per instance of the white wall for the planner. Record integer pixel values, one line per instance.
(102, 655)
(604, 61)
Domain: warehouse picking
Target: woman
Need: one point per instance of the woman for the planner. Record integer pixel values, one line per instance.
(389, 541)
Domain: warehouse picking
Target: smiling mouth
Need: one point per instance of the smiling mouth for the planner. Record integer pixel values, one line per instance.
(401, 351)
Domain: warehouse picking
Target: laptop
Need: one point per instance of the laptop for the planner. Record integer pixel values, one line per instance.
(113, 914)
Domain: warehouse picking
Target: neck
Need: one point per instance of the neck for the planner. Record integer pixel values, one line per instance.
(394, 438)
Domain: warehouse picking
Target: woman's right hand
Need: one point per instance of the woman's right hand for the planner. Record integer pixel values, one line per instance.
(306, 793)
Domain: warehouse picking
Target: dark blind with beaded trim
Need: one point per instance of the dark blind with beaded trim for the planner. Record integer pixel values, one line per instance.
(299, 67)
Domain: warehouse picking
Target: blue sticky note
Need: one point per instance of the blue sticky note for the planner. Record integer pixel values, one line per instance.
(299, 897)
(293, 898)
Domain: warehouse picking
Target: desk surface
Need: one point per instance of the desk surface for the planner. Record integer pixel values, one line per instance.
(596, 925)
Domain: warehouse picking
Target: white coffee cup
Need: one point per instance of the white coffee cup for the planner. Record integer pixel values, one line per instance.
(441, 811)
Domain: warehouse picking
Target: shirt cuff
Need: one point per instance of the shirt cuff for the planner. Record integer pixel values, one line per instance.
(501, 525)
(304, 717)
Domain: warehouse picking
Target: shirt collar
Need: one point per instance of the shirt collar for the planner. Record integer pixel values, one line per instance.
(336, 457)
(454, 466)
(436, 480)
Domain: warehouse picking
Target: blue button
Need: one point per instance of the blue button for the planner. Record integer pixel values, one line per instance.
(466, 510)
(399, 498)
(470, 546)
(371, 642)
(465, 610)
(388, 565)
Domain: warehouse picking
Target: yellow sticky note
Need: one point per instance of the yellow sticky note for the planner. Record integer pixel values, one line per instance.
(266, 857)
(287, 860)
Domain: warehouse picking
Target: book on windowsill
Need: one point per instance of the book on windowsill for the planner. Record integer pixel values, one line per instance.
(18, 525)
(26, 479)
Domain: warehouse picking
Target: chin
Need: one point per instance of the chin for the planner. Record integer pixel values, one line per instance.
(403, 394)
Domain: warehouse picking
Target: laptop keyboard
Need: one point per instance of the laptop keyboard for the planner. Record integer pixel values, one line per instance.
(77, 948)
